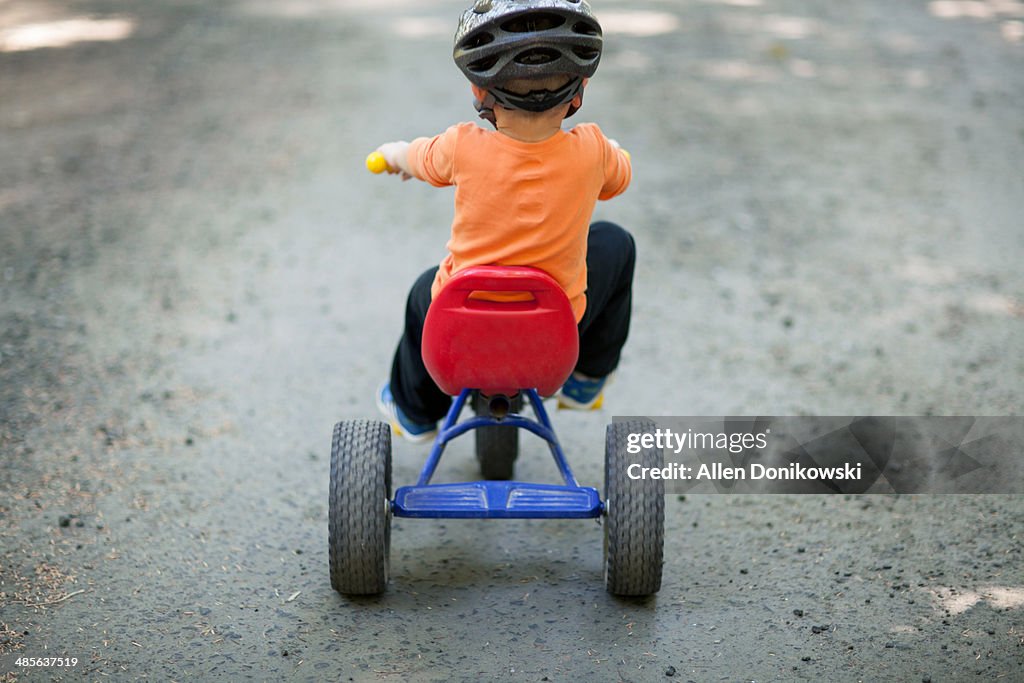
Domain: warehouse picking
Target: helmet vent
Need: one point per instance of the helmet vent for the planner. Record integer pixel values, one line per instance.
(483, 65)
(586, 53)
(584, 29)
(534, 21)
(538, 55)
(477, 40)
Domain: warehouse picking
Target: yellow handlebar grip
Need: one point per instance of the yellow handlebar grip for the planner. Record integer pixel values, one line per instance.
(376, 163)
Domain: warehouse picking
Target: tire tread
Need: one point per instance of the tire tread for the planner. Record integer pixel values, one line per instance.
(635, 516)
(359, 526)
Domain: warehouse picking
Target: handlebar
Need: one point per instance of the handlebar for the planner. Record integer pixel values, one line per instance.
(376, 163)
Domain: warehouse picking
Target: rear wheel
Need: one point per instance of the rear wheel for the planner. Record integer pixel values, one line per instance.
(634, 525)
(359, 515)
(496, 447)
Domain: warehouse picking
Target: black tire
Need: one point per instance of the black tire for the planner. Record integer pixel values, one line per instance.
(634, 524)
(359, 516)
(496, 447)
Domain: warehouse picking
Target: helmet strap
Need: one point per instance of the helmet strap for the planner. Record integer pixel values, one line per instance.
(483, 102)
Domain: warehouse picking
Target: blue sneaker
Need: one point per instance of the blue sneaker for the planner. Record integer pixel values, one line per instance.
(400, 424)
(582, 393)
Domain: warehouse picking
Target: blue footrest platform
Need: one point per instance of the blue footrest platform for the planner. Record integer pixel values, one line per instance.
(497, 499)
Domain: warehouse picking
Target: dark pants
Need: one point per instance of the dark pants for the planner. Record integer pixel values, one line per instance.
(603, 330)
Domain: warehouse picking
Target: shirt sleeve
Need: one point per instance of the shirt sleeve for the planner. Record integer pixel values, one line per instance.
(618, 171)
(431, 159)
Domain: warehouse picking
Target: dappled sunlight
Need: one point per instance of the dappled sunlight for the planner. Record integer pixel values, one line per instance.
(959, 601)
(802, 68)
(628, 59)
(423, 27)
(792, 28)
(774, 33)
(739, 70)
(1007, 12)
(403, 26)
(956, 9)
(976, 9)
(736, 3)
(783, 27)
(1012, 31)
(64, 33)
(926, 272)
(305, 9)
(997, 304)
(638, 22)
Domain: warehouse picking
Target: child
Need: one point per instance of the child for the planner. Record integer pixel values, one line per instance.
(524, 193)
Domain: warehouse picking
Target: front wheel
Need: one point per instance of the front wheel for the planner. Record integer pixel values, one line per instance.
(634, 525)
(359, 516)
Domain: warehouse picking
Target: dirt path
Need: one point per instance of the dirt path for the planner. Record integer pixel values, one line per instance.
(197, 279)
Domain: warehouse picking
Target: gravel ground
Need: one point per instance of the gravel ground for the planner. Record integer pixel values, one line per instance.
(198, 278)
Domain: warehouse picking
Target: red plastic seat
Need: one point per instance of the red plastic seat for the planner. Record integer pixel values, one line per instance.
(500, 347)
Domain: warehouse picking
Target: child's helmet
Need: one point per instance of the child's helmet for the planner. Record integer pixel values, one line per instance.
(501, 40)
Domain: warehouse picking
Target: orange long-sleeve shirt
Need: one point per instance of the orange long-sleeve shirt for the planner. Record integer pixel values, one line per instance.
(522, 203)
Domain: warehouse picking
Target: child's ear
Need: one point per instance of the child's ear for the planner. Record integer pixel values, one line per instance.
(577, 101)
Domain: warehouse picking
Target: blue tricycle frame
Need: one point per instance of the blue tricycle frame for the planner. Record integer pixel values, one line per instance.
(362, 505)
(497, 499)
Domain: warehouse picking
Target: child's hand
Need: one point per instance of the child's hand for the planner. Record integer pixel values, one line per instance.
(396, 154)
